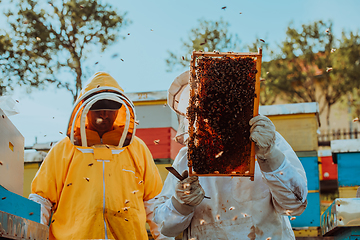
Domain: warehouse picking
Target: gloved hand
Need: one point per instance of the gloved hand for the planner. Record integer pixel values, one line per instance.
(188, 194)
(262, 133)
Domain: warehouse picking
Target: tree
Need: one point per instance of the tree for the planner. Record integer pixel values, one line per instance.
(268, 93)
(208, 36)
(307, 69)
(348, 62)
(48, 40)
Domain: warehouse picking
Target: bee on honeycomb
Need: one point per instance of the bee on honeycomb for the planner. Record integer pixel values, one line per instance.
(220, 107)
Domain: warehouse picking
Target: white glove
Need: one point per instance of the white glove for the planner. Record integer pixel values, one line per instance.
(262, 133)
(46, 207)
(188, 194)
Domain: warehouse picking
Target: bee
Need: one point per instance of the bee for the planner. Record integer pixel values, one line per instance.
(202, 222)
(288, 212)
(53, 221)
(127, 201)
(292, 218)
(126, 219)
(3, 198)
(90, 164)
(87, 179)
(234, 218)
(156, 141)
(135, 191)
(81, 6)
(231, 208)
(328, 69)
(218, 217)
(223, 8)
(60, 132)
(31, 213)
(69, 184)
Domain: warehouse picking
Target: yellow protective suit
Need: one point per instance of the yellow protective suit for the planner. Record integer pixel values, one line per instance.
(98, 186)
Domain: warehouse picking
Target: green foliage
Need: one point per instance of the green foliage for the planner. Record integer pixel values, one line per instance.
(310, 68)
(348, 63)
(207, 36)
(268, 93)
(48, 39)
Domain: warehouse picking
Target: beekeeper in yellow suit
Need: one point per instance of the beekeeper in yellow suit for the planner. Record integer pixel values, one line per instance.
(100, 180)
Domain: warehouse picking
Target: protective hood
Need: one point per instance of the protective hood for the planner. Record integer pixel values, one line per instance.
(101, 86)
(179, 93)
(178, 100)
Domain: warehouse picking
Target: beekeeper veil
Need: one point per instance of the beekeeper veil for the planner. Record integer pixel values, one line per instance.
(178, 100)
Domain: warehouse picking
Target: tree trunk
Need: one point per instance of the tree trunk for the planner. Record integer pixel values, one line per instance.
(328, 115)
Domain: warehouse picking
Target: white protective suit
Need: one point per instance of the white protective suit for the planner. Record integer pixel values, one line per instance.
(239, 208)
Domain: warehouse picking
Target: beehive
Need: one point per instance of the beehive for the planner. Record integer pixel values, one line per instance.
(224, 96)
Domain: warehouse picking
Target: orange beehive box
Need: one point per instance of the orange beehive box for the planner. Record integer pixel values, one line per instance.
(224, 96)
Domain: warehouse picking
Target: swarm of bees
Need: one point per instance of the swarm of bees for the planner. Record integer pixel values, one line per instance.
(220, 107)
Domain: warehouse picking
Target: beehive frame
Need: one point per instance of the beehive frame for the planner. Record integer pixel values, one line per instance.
(255, 58)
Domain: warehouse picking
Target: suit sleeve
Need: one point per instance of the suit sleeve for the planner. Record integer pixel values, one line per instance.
(153, 186)
(172, 222)
(49, 179)
(288, 184)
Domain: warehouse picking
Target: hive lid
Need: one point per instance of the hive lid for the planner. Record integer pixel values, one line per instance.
(345, 145)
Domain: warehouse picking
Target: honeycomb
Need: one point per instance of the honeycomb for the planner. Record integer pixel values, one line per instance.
(220, 107)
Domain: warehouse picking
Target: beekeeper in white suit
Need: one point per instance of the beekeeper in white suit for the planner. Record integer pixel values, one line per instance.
(239, 208)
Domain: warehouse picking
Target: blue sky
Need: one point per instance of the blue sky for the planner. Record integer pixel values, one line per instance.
(158, 26)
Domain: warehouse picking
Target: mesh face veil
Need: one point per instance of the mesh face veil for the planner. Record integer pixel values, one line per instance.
(102, 93)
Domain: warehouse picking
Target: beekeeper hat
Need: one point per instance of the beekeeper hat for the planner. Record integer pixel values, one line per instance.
(105, 104)
(179, 93)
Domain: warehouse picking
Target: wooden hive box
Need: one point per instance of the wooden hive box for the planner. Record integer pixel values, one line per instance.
(224, 96)
(346, 153)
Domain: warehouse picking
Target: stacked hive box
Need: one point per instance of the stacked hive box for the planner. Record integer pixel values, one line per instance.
(346, 153)
(298, 124)
(19, 216)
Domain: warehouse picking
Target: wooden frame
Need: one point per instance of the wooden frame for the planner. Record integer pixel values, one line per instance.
(257, 57)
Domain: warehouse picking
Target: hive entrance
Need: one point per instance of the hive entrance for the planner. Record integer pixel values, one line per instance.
(224, 91)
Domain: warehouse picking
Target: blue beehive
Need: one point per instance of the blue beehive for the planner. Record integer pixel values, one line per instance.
(346, 153)
(311, 216)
